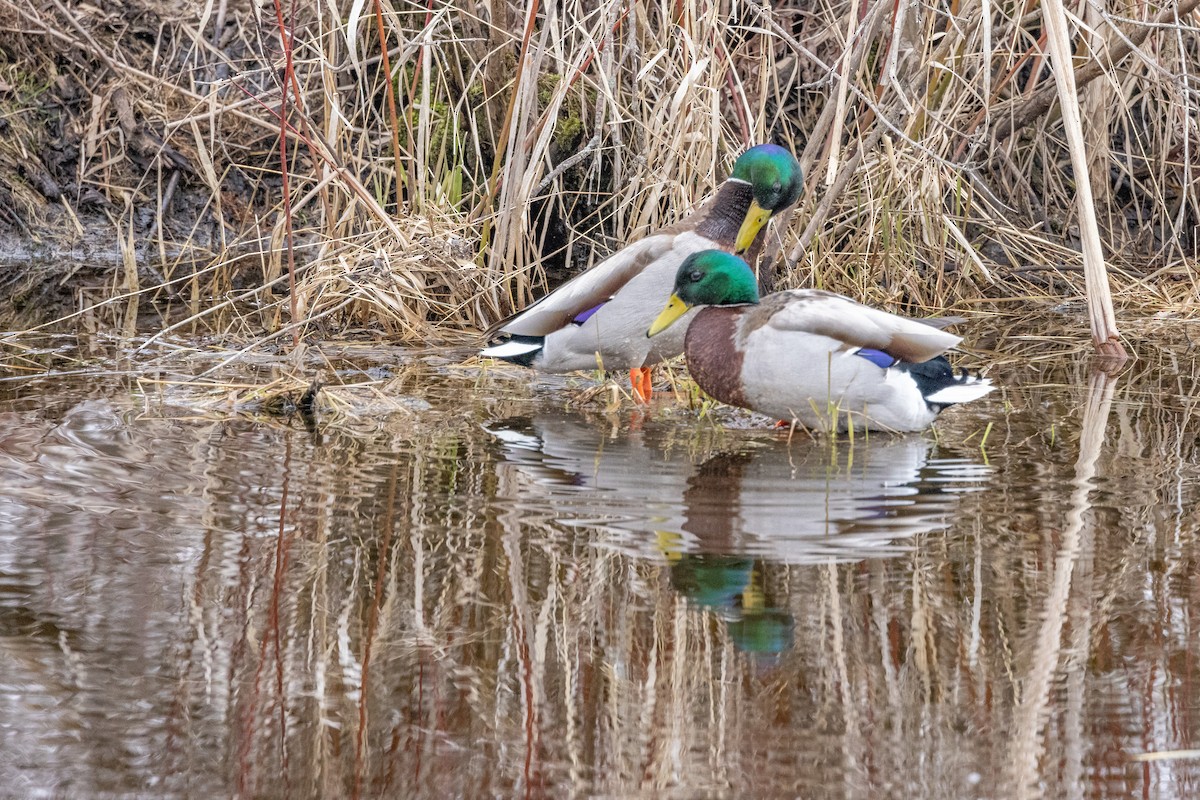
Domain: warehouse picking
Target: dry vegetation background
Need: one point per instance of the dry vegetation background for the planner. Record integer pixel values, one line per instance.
(489, 149)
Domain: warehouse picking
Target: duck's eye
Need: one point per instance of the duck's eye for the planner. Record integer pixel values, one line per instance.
(777, 187)
(695, 276)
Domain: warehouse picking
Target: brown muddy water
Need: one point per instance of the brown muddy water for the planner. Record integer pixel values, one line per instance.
(457, 584)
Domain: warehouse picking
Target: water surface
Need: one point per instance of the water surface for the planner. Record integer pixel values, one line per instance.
(482, 590)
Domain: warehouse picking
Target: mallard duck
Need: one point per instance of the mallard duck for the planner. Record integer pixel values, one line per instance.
(598, 319)
(809, 355)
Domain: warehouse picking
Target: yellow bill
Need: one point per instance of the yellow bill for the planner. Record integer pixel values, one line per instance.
(756, 217)
(671, 545)
(675, 309)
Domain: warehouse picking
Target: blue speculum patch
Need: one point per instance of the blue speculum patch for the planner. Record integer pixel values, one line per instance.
(876, 357)
(582, 316)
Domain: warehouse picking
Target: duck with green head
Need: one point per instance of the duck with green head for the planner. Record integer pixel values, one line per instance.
(809, 355)
(598, 319)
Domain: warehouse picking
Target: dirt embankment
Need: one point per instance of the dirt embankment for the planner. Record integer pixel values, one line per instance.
(98, 193)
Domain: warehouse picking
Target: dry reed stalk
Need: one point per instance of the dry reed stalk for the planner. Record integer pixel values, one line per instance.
(288, 79)
(1099, 296)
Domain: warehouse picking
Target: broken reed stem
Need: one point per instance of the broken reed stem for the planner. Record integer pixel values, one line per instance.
(1099, 296)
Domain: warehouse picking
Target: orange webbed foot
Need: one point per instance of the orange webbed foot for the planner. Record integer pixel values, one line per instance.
(640, 380)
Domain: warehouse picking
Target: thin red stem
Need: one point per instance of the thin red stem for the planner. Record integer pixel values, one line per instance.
(286, 33)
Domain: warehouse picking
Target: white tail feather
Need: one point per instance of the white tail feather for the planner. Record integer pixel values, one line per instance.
(973, 389)
(511, 349)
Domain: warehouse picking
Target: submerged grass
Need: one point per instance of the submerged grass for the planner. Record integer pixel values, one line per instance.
(451, 161)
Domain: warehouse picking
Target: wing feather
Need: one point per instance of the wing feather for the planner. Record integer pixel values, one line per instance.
(586, 290)
(837, 317)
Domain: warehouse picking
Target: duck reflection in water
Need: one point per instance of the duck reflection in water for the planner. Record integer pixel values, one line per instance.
(752, 504)
(728, 583)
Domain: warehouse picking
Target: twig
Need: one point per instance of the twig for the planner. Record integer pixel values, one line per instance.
(394, 117)
(566, 164)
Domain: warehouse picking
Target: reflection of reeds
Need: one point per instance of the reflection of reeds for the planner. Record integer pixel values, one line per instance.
(399, 611)
(437, 635)
(1077, 542)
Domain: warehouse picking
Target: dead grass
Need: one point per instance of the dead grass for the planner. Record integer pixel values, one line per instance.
(513, 144)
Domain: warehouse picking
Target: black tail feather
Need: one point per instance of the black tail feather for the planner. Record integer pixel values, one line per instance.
(936, 374)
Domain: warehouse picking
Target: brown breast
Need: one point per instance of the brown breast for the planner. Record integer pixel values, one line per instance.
(712, 355)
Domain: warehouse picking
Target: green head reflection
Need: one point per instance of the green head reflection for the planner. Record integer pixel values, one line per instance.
(731, 584)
